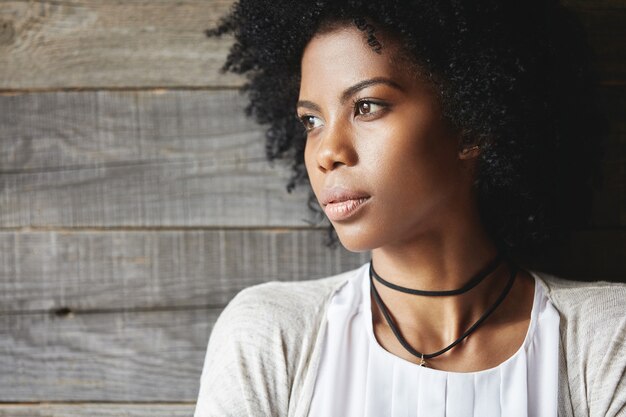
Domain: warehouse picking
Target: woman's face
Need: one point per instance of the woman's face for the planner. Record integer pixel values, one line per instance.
(376, 136)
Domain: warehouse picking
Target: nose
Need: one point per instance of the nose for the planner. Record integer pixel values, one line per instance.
(336, 147)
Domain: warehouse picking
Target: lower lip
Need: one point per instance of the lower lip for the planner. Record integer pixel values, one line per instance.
(344, 209)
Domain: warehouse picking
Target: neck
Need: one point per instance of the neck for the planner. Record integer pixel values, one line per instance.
(433, 263)
(438, 262)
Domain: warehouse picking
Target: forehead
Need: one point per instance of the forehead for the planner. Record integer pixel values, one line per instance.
(343, 56)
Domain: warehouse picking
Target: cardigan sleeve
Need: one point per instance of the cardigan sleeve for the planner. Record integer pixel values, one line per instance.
(246, 369)
(608, 389)
(593, 346)
(259, 353)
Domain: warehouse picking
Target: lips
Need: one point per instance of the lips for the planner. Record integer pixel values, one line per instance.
(339, 194)
(341, 203)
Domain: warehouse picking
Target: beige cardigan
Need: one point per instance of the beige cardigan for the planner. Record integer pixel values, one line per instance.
(265, 348)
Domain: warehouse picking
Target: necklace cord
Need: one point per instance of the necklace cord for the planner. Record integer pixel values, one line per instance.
(474, 281)
(487, 313)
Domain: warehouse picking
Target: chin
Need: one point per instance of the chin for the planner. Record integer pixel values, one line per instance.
(354, 240)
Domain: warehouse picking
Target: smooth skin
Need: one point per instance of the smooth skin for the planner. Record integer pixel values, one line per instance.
(375, 126)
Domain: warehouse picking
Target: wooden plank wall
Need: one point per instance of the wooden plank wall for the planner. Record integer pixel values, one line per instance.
(135, 201)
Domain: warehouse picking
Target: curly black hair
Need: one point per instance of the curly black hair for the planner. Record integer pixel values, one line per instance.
(513, 77)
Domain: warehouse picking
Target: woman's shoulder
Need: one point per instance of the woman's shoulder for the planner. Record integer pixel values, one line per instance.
(592, 319)
(258, 345)
(587, 307)
(286, 303)
(593, 330)
(577, 298)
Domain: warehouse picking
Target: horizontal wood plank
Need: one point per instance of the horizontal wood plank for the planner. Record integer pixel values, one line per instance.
(176, 158)
(106, 44)
(67, 131)
(97, 410)
(75, 271)
(140, 356)
(111, 44)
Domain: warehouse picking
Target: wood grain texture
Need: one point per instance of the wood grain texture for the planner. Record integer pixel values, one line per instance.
(131, 270)
(177, 158)
(109, 44)
(57, 131)
(97, 410)
(105, 44)
(119, 356)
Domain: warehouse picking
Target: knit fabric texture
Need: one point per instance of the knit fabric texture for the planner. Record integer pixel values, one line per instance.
(265, 348)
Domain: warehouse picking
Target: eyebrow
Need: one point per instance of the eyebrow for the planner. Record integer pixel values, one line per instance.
(352, 90)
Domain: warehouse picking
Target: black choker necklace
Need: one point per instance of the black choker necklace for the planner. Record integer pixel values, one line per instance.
(474, 281)
(423, 356)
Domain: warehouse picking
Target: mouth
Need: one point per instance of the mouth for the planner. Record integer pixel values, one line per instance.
(344, 209)
(339, 194)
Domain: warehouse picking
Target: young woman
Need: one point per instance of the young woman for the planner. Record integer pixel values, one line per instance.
(450, 139)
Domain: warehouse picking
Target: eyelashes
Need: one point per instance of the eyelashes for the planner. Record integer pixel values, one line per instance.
(363, 108)
(306, 122)
(357, 105)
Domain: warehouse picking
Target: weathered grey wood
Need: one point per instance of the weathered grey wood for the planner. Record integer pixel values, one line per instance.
(121, 356)
(177, 158)
(174, 158)
(130, 270)
(103, 44)
(97, 410)
(48, 271)
(67, 131)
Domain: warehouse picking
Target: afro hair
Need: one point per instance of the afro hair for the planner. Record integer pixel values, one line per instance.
(513, 77)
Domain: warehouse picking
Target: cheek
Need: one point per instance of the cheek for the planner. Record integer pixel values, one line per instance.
(310, 164)
(414, 161)
(397, 148)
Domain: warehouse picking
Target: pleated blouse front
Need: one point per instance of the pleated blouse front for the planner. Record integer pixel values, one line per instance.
(358, 378)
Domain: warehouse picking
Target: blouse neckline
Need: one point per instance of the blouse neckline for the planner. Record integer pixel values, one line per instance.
(365, 287)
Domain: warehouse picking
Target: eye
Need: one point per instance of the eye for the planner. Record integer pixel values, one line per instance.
(367, 107)
(310, 122)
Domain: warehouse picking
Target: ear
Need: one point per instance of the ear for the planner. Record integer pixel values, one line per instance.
(469, 153)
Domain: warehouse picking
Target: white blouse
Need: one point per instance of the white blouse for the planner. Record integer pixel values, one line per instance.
(359, 378)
